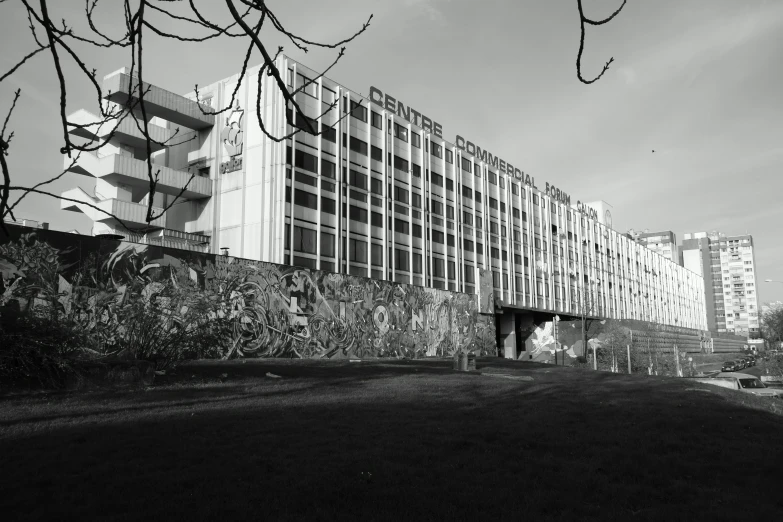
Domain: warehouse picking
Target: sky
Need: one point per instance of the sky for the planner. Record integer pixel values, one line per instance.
(697, 82)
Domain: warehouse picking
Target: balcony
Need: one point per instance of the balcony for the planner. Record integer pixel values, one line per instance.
(157, 102)
(85, 124)
(131, 171)
(109, 211)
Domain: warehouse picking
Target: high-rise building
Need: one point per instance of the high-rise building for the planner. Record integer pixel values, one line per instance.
(379, 193)
(728, 266)
(663, 243)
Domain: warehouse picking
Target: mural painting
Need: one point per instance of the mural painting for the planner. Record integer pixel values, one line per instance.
(271, 310)
(541, 346)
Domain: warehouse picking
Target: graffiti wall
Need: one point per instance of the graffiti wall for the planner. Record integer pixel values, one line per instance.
(269, 310)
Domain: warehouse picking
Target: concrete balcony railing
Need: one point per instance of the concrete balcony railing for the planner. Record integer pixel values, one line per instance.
(157, 102)
(133, 172)
(85, 125)
(109, 211)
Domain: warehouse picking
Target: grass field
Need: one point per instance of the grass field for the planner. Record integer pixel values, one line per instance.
(397, 440)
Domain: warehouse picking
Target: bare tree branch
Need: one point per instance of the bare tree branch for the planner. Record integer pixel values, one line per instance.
(582, 21)
(59, 41)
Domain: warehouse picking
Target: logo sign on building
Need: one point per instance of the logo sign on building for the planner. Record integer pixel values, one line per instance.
(232, 138)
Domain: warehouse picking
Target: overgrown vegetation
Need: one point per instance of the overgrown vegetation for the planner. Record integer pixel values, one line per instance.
(36, 351)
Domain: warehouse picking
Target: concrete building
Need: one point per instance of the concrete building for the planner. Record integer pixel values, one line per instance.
(381, 194)
(728, 266)
(663, 243)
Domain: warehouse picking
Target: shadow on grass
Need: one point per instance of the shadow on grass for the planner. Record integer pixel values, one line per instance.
(392, 444)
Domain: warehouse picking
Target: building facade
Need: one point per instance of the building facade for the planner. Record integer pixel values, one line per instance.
(663, 243)
(728, 266)
(380, 193)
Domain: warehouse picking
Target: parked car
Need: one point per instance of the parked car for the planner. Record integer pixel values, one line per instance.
(729, 366)
(748, 384)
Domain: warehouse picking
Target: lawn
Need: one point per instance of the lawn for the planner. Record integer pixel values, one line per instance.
(393, 440)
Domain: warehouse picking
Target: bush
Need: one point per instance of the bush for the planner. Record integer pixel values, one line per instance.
(38, 352)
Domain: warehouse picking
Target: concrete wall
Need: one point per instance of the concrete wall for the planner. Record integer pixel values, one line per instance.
(273, 310)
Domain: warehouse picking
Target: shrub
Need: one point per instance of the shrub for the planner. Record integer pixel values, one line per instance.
(36, 351)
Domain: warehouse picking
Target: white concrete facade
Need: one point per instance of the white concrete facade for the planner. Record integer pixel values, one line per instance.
(378, 196)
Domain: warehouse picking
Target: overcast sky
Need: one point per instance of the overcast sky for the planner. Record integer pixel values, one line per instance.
(698, 82)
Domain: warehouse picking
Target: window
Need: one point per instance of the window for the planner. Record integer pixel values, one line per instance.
(417, 231)
(358, 112)
(400, 132)
(438, 268)
(450, 240)
(376, 153)
(357, 251)
(377, 255)
(494, 253)
(358, 214)
(328, 205)
(493, 203)
(467, 218)
(478, 196)
(400, 164)
(358, 180)
(306, 199)
(452, 270)
(307, 180)
(437, 236)
(327, 244)
(515, 212)
(470, 275)
(307, 86)
(328, 133)
(401, 260)
(306, 161)
(417, 263)
(328, 168)
(449, 156)
(437, 208)
(437, 179)
(416, 140)
(467, 192)
(479, 222)
(401, 226)
(416, 200)
(377, 121)
(436, 150)
(400, 194)
(466, 164)
(493, 227)
(358, 146)
(467, 245)
(377, 219)
(449, 212)
(305, 240)
(416, 170)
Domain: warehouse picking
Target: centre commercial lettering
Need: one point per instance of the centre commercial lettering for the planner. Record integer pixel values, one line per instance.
(391, 104)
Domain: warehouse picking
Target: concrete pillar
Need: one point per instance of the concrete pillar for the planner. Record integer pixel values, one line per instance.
(507, 342)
